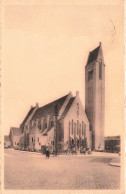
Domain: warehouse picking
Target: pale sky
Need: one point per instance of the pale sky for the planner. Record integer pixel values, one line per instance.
(45, 49)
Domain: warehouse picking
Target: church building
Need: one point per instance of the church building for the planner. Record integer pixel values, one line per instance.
(73, 127)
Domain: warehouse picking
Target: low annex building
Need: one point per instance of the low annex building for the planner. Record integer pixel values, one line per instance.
(7, 142)
(15, 134)
(37, 129)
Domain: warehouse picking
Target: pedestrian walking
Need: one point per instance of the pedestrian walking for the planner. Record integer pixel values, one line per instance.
(47, 153)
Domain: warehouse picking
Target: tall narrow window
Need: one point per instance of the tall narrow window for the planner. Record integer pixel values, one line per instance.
(72, 126)
(51, 123)
(69, 128)
(39, 124)
(77, 109)
(32, 139)
(82, 128)
(90, 75)
(45, 125)
(77, 127)
(38, 139)
(100, 69)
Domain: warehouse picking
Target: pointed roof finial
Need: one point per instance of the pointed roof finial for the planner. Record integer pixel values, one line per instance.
(100, 43)
(37, 104)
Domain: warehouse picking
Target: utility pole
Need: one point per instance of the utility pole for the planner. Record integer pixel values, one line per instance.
(56, 114)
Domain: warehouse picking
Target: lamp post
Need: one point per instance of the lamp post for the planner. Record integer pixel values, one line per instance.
(56, 114)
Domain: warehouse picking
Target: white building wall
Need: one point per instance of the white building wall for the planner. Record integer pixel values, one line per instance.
(16, 140)
(50, 136)
(43, 140)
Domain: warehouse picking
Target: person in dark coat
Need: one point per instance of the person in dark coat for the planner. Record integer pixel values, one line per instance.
(47, 153)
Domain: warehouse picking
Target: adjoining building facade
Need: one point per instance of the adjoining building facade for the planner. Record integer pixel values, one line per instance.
(112, 144)
(76, 128)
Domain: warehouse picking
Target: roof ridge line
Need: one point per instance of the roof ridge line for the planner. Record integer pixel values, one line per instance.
(53, 101)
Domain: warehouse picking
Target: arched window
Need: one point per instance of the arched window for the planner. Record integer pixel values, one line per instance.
(32, 139)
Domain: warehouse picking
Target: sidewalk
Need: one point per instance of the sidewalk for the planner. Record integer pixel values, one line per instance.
(115, 162)
(93, 153)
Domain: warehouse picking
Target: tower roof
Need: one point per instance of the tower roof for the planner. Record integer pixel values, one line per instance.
(93, 54)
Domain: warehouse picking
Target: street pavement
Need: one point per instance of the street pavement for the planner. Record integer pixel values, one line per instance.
(25, 170)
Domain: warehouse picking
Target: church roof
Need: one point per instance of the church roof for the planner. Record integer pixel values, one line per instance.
(49, 108)
(93, 55)
(16, 131)
(27, 116)
(67, 108)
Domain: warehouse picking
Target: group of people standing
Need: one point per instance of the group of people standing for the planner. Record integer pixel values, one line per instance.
(47, 153)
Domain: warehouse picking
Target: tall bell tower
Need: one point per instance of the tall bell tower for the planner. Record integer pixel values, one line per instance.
(95, 96)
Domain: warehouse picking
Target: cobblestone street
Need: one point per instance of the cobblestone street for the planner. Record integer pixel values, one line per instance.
(24, 170)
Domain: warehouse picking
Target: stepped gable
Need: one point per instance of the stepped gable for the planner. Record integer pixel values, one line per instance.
(93, 55)
(67, 108)
(27, 116)
(16, 131)
(49, 108)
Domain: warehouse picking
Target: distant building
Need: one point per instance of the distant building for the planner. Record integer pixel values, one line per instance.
(15, 134)
(7, 142)
(76, 128)
(112, 143)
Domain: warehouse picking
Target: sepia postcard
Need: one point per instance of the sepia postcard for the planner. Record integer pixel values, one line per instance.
(62, 96)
